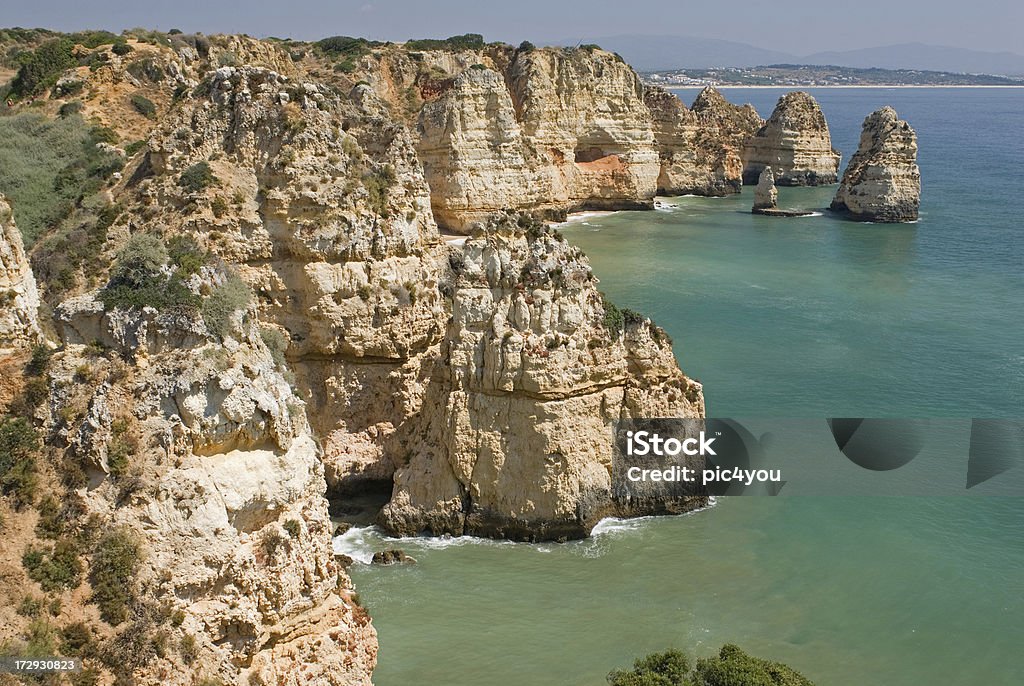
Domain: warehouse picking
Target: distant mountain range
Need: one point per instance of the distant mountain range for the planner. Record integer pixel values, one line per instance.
(661, 53)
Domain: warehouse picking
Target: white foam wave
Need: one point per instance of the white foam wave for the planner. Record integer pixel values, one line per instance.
(360, 543)
(616, 525)
(582, 217)
(357, 543)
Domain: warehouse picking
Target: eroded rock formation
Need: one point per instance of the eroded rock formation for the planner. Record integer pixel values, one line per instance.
(882, 183)
(700, 147)
(795, 142)
(766, 196)
(535, 367)
(555, 131)
(19, 299)
(224, 491)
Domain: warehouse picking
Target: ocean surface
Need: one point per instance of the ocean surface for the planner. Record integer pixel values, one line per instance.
(804, 317)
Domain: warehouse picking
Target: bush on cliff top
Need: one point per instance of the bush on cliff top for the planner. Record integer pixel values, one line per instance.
(731, 667)
(465, 41)
(41, 67)
(670, 668)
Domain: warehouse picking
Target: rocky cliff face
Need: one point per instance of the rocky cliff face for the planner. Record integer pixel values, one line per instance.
(478, 382)
(882, 183)
(536, 365)
(201, 451)
(19, 299)
(558, 130)
(700, 147)
(795, 142)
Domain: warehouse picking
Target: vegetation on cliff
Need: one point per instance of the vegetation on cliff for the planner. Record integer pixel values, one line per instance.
(731, 667)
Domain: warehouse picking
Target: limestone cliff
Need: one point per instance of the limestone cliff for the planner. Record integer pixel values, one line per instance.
(19, 299)
(300, 328)
(700, 147)
(882, 183)
(558, 130)
(201, 452)
(536, 365)
(795, 143)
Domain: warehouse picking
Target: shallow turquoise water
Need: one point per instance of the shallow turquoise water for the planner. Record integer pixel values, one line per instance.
(779, 317)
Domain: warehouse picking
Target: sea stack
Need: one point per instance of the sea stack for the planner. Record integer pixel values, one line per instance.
(766, 196)
(19, 299)
(882, 183)
(795, 142)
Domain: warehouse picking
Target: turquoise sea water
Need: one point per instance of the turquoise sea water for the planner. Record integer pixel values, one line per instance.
(806, 317)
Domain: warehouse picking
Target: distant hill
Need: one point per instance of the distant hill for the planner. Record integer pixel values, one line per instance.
(662, 53)
(930, 57)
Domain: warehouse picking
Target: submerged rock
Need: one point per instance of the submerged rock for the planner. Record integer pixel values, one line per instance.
(795, 142)
(392, 557)
(882, 182)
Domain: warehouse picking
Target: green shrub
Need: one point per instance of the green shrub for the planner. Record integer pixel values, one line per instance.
(226, 299)
(55, 568)
(526, 46)
(632, 317)
(70, 108)
(219, 206)
(139, 279)
(121, 449)
(94, 39)
(42, 639)
(140, 261)
(189, 649)
(143, 106)
(30, 606)
(186, 255)
(277, 344)
(75, 639)
(346, 49)
(613, 320)
(197, 178)
(48, 165)
(19, 446)
(134, 147)
(733, 667)
(40, 361)
(466, 41)
(41, 68)
(670, 668)
(378, 184)
(111, 572)
(121, 48)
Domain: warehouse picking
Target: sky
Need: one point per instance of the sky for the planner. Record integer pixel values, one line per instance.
(794, 26)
